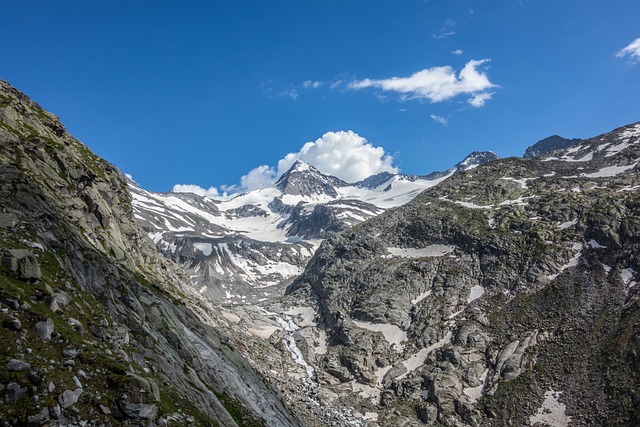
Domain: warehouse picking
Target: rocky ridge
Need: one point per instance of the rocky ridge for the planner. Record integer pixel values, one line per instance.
(506, 295)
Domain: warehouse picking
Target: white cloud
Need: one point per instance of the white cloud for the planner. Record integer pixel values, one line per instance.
(439, 119)
(261, 177)
(345, 155)
(211, 192)
(437, 84)
(632, 51)
(478, 100)
(457, 52)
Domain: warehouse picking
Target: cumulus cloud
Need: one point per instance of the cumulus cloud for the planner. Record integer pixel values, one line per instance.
(632, 51)
(457, 52)
(343, 154)
(479, 99)
(439, 119)
(211, 192)
(261, 177)
(437, 84)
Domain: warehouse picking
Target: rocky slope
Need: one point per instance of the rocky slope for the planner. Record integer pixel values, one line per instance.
(249, 248)
(94, 327)
(506, 295)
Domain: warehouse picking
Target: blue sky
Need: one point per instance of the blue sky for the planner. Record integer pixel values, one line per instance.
(203, 92)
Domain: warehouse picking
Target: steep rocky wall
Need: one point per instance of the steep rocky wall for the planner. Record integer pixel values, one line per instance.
(94, 327)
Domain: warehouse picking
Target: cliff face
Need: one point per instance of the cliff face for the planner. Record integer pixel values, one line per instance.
(94, 327)
(504, 296)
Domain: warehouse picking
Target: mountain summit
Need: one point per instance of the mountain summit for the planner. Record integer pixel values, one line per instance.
(303, 179)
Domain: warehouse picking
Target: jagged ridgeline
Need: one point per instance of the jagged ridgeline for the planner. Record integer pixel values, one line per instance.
(94, 328)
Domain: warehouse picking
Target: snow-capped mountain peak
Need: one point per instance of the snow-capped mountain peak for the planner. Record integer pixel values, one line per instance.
(303, 179)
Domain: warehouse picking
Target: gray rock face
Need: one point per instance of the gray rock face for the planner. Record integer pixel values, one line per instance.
(75, 208)
(23, 262)
(137, 411)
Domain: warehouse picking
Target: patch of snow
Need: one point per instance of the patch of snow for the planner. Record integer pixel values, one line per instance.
(568, 224)
(306, 315)
(417, 360)
(522, 181)
(596, 245)
(366, 391)
(392, 333)
(631, 132)
(420, 297)
(475, 393)
(572, 262)
(429, 251)
(552, 412)
(612, 151)
(585, 158)
(371, 416)
(36, 245)
(629, 188)
(205, 248)
(263, 332)
(231, 317)
(627, 277)
(380, 373)
(476, 292)
(520, 201)
(472, 205)
(609, 171)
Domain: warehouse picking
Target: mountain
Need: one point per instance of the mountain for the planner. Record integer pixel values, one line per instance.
(549, 144)
(96, 329)
(249, 248)
(385, 180)
(303, 179)
(505, 295)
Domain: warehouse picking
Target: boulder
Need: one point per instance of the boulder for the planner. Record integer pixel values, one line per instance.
(38, 419)
(18, 365)
(44, 329)
(13, 393)
(23, 262)
(69, 398)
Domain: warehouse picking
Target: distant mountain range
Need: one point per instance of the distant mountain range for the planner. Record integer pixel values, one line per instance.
(250, 247)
